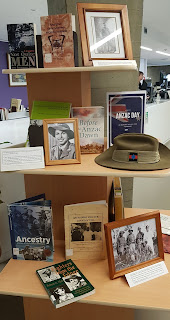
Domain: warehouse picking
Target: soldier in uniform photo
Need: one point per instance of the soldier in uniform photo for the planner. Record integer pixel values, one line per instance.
(63, 148)
(131, 240)
(121, 242)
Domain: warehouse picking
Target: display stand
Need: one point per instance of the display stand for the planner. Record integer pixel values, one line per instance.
(66, 185)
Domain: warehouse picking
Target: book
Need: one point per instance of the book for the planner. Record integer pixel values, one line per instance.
(125, 113)
(118, 199)
(22, 45)
(50, 110)
(115, 203)
(44, 110)
(65, 283)
(57, 40)
(91, 128)
(166, 243)
(84, 230)
(30, 222)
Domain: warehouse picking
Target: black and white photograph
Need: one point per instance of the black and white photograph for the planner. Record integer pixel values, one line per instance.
(20, 36)
(104, 27)
(49, 274)
(61, 141)
(90, 231)
(33, 253)
(61, 294)
(105, 35)
(134, 244)
(74, 281)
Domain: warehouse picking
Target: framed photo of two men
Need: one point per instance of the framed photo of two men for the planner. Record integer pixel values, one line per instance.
(61, 141)
(133, 243)
(105, 32)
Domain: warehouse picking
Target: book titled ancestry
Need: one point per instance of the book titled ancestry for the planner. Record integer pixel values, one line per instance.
(31, 229)
(65, 283)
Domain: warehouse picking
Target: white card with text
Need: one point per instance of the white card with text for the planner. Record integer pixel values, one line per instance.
(12, 159)
(146, 274)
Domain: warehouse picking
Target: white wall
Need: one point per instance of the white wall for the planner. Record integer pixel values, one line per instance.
(20, 11)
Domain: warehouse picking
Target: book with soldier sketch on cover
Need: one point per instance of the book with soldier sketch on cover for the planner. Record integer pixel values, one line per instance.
(30, 222)
(91, 128)
(65, 283)
(57, 41)
(84, 230)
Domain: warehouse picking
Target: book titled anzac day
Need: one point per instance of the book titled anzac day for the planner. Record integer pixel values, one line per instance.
(91, 128)
(30, 222)
(57, 41)
(64, 283)
(22, 45)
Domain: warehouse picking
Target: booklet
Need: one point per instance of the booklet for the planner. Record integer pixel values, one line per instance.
(84, 230)
(30, 222)
(64, 283)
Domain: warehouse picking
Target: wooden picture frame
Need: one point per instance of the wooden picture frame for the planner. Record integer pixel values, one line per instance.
(16, 80)
(61, 141)
(114, 28)
(129, 248)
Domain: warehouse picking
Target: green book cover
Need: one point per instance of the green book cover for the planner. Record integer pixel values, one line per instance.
(50, 110)
(64, 283)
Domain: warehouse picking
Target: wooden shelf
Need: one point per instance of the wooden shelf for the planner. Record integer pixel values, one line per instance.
(88, 167)
(122, 65)
(19, 278)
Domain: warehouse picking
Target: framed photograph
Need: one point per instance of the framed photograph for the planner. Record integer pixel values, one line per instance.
(133, 243)
(105, 32)
(61, 141)
(16, 80)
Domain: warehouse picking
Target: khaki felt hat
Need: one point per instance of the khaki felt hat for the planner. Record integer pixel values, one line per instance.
(138, 152)
(62, 127)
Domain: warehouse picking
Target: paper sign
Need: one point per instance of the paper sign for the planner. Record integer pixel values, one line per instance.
(146, 274)
(21, 158)
(165, 223)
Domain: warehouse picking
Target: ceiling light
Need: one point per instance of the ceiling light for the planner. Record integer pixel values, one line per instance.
(165, 54)
(145, 48)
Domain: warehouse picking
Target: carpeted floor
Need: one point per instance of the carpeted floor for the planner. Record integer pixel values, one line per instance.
(11, 307)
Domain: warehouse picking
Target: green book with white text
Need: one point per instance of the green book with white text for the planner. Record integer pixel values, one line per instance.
(64, 283)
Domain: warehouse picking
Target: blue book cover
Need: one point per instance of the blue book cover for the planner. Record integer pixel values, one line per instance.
(31, 230)
(125, 113)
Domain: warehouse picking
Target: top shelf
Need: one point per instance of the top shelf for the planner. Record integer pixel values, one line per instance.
(119, 65)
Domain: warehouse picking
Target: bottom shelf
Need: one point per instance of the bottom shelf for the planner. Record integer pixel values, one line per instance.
(19, 278)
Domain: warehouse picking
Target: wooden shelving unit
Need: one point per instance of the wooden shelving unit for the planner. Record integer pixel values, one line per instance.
(67, 184)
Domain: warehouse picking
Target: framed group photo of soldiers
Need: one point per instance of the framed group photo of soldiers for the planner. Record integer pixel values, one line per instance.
(133, 243)
(61, 141)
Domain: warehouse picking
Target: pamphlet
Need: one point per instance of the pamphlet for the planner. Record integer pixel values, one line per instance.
(21, 158)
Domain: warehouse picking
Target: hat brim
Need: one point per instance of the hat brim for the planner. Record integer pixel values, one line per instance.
(105, 160)
(70, 133)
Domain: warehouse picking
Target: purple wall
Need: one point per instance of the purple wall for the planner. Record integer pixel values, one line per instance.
(7, 92)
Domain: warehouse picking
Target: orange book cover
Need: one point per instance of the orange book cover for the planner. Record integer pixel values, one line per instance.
(57, 41)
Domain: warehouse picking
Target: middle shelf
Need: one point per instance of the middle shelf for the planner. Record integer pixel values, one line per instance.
(88, 167)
